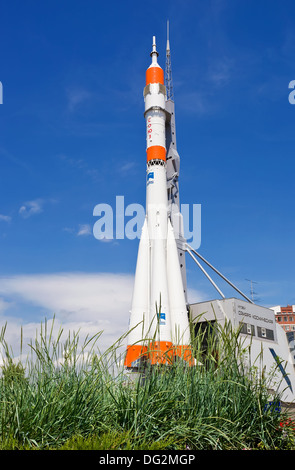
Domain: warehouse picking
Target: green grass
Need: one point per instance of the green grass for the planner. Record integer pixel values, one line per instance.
(68, 395)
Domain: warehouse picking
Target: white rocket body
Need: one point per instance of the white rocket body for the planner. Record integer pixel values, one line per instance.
(159, 327)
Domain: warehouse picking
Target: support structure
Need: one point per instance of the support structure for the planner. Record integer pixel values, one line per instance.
(189, 249)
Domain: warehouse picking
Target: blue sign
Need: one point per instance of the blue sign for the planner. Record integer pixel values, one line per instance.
(150, 177)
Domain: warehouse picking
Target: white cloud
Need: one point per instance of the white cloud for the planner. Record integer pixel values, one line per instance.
(195, 296)
(81, 165)
(35, 206)
(3, 305)
(31, 208)
(5, 218)
(127, 168)
(84, 229)
(87, 302)
(220, 71)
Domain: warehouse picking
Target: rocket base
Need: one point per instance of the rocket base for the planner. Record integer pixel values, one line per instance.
(135, 356)
(161, 352)
(158, 352)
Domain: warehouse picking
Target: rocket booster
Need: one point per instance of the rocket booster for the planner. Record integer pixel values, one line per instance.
(158, 327)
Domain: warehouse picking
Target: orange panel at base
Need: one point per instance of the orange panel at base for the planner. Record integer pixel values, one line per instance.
(154, 75)
(160, 352)
(134, 352)
(185, 352)
(156, 152)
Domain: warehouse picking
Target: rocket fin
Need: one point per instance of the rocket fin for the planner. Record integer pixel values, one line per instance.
(178, 310)
(161, 345)
(139, 315)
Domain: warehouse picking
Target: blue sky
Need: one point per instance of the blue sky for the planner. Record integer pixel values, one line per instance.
(72, 135)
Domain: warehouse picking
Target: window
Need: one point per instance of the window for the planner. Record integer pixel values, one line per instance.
(265, 333)
(247, 329)
(279, 318)
(285, 318)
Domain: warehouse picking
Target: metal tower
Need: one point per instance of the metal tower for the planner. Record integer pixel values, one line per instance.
(168, 70)
(173, 167)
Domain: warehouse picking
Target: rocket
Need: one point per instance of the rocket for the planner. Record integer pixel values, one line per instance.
(158, 326)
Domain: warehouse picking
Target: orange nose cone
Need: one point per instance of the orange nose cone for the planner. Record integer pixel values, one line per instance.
(154, 75)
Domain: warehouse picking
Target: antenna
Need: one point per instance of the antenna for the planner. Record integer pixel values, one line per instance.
(168, 78)
(252, 290)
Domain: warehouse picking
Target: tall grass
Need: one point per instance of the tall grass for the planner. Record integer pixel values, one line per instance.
(65, 393)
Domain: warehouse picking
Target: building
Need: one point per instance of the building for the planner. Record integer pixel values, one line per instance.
(269, 344)
(285, 316)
